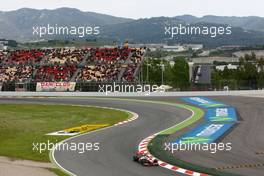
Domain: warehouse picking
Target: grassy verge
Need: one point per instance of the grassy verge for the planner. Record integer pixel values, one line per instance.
(197, 114)
(23, 125)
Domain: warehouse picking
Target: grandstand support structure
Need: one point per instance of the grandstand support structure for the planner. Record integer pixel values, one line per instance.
(123, 69)
(137, 70)
(33, 74)
(81, 64)
(84, 61)
(42, 62)
(120, 75)
(73, 78)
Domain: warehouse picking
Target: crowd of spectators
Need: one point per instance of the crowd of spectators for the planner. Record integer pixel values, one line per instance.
(55, 73)
(13, 65)
(65, 56)
(104, 65)
(109, 55)
(99, 73)
(24, 57)
(60, 64)
(15, 73)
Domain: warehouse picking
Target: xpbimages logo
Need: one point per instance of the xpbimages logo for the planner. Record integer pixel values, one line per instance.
(76, 31)
(126, 88)
(207, 147)
(212, 31)
(80, 147)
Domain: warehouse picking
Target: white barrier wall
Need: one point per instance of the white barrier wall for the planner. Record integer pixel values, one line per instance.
(252, 93)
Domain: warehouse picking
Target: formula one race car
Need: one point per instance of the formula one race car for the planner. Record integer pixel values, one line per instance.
(144, 160)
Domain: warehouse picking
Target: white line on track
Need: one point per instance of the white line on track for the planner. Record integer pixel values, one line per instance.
(52, 157)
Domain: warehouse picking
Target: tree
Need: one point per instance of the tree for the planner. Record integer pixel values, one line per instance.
(154, 70)
(180, 72)
(248, 71)
(261, 80)
(261, 64)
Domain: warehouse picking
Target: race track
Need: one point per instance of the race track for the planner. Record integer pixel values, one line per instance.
(118, 144)
(247, 138)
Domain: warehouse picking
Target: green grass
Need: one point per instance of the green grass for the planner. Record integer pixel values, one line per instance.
(23, 125)
(197, 114)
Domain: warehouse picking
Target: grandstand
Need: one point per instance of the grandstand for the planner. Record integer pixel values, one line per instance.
(70, 65)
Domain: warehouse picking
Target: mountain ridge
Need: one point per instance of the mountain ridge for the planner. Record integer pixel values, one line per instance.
(17, 25)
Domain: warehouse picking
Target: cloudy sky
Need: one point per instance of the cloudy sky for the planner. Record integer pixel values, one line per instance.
(148, 8)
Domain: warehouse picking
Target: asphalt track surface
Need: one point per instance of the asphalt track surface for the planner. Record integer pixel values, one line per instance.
(118, 144)
(247, 138)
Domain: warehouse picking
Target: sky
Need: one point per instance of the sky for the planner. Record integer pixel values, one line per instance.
(147, 8)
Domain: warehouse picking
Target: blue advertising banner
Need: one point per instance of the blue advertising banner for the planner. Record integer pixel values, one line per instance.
(224, 114)
(203, 102)
(204, 133)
